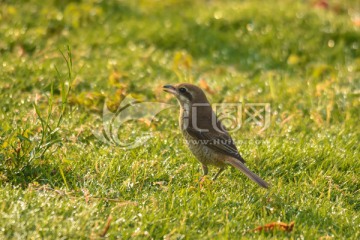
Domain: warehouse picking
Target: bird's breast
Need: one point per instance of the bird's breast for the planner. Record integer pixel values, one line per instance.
(203, 153)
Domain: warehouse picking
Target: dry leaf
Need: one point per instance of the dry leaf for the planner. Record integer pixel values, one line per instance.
(356, 22)
(323, 4)
(203, 84)
(327, 237)
(275, 226)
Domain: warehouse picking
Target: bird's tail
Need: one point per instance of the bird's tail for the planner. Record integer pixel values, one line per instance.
(241, 166)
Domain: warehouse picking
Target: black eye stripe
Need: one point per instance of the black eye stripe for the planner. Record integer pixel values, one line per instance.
(187, 95)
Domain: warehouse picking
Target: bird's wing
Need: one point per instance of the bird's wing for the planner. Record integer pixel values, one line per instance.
(219, 141)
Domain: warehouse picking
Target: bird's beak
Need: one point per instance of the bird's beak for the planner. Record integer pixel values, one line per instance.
(170, 89)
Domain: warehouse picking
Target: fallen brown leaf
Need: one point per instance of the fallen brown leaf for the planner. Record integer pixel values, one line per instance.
(327, 237)
(356, 22)
(204, 85)
(275, 226)
(324, 4)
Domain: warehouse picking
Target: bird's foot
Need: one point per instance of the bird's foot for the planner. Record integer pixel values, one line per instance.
(204, 180)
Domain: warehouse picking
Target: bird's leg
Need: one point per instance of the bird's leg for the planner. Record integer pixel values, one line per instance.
(218, 173)
(205, 169)
(205, 172)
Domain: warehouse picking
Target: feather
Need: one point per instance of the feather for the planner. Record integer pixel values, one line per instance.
(239, 165)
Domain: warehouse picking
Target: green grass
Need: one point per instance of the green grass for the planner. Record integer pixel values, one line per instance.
(59, 181)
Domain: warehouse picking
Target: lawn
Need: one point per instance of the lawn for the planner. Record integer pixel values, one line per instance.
(63, 63)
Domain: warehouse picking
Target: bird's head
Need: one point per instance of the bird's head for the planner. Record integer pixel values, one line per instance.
(186, 93)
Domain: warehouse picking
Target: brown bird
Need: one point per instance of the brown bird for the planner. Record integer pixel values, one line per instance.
(206, 137)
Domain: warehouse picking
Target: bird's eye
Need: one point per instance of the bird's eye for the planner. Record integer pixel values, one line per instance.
(182, 89)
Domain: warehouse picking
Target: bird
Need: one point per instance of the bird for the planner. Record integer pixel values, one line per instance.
(204, 133)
